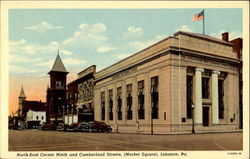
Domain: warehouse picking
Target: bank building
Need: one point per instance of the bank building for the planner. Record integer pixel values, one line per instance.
(183, 82)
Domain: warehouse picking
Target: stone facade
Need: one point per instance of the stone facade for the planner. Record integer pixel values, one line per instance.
(186, 67)
(80, 97)
(85, 104)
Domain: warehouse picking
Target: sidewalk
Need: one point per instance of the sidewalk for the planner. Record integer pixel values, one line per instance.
(184, 133)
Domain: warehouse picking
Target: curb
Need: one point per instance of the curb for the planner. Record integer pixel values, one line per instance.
(185, 133)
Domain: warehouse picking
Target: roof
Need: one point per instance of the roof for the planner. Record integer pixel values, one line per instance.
(34, 105)
(58, 65)
(202, 36)
(22, 95)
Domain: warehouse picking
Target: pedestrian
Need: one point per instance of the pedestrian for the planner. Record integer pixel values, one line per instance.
(116, 128)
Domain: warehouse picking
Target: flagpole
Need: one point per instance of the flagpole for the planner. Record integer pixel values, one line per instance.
(203, 21)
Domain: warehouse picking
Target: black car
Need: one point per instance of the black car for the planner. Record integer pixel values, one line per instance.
(100, 126)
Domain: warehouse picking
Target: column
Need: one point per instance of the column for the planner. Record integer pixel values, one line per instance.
(114, 103)
(124, 102)
(107, 105)
(198, 96)
(215, 98)
(134, 100)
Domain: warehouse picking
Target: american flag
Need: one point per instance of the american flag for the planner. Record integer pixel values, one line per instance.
(199, 16)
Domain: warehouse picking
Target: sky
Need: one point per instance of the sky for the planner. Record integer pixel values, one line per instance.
(98, 37)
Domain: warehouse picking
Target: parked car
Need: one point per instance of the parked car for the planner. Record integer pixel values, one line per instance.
(20, 128)
(72, 127)
(85, 127)
(48, 126)
(100, 126)
(61, 127)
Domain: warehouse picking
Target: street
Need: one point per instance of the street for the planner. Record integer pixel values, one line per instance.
(37, 140)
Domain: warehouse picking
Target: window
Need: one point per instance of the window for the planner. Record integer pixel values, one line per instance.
(111, 104)
(189, 95)
(154, 97)
(37, 117)
(221, 99)
(205, 87)
(102, 105)
(59, 84)
(141, 111)
(42, 117)
(119, 103)
(129, 102)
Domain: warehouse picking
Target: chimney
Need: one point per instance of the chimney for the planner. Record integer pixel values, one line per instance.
(225, 36)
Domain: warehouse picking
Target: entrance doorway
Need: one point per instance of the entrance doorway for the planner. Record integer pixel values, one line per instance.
(205, 115)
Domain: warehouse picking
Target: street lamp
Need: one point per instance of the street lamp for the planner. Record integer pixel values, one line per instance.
(193, 131)
(68, 113)
(152, 126)
(72, 111)
(63, 113)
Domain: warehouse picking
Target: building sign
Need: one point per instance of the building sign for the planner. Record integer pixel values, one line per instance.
(206, 61)
(124, 73)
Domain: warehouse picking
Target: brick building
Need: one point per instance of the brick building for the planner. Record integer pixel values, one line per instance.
(56, 92)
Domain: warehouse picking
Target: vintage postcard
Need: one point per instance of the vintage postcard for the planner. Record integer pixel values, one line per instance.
(123, 79)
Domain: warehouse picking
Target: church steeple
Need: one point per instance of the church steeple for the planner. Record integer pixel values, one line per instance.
(21, 99)
(22, 95)
(58, 65)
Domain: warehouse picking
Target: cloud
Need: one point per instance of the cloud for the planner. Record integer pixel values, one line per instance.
(27, 49)
(23, 59)
(47, 63)
(161, 36)
(232, 34)
(104, 49)
(66, 52)
(22, 47)
(88, 36)
(20, 69)
(43, 26)
(20, 42)
(133, 32)
(72, 61)
(122, 56)
(184, 28)
(139, 45)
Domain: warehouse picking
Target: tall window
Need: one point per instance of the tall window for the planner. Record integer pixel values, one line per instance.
(221, 101)
(59, 84)
(103, 105)
(189, 95)
(111, 104)
(154, 97)
(119, 103)
(129, 102)
(205, 87)
(141, 111)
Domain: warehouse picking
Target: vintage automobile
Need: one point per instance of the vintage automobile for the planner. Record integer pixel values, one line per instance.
(85, 127)
(61, 127)
(72, 127)
(48, 126)
(100, 126)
